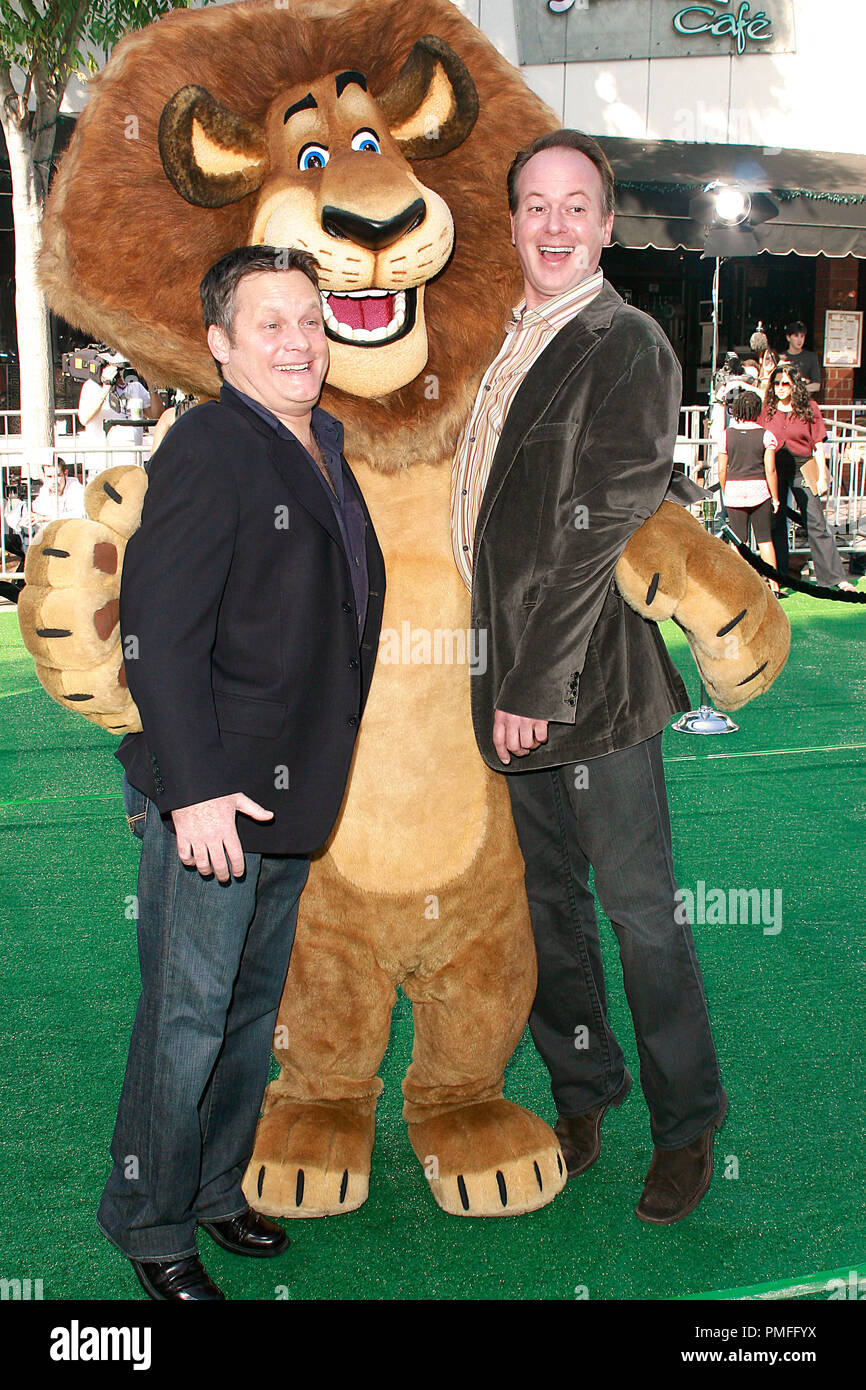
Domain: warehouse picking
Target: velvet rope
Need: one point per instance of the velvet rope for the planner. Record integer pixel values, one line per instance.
(788, 580)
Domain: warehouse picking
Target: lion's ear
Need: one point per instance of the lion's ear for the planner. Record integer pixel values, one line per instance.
(432, 103)
(210, 154)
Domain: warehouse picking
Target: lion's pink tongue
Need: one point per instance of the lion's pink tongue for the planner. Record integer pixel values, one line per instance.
(374, 312)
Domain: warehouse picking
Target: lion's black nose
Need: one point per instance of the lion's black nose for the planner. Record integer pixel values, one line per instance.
(373, 235)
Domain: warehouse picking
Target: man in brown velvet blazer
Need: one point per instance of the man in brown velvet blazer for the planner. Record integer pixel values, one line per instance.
(567, 451)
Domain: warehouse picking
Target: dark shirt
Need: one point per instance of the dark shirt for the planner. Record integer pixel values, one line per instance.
(328, 433)
(807, 364)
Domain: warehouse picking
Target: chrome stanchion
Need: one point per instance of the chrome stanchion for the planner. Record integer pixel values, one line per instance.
(704, 719)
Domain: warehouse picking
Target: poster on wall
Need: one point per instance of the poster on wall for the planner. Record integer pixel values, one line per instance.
(843, 337)
(579, 31)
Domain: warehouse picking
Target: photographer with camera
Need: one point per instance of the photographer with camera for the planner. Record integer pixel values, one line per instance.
(96, 409)
(106, 409)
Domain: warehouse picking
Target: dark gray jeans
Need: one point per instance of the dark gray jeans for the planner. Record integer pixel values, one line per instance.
(213, 962)
(829, 570)
(612, 813)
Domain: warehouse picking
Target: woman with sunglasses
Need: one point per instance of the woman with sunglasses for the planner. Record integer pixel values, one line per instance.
(797, 423)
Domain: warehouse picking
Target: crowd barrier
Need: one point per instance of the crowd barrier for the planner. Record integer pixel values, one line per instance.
(845, 449)
(695, 453)
(21, 473)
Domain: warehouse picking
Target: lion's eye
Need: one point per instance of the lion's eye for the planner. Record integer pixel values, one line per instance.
(366, 140)
(313, 157)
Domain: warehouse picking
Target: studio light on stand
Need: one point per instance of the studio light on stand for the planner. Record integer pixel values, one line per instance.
(725, 211)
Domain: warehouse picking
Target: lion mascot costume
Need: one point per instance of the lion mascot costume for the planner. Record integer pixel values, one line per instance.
(376, 135)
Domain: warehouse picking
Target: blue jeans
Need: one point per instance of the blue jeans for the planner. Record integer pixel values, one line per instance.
(213, 962)
(611, 813)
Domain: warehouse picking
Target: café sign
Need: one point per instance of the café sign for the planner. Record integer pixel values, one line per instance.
(557, 31)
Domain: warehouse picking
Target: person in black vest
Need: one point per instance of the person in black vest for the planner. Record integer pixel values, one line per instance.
(250, 608)
(747, 476)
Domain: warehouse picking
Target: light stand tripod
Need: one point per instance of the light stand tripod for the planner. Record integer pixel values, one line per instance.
(704, 719)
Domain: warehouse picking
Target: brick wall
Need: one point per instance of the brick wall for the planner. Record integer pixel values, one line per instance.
(836, 279)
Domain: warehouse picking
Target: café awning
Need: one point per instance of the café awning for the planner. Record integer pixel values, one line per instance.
(821, 198)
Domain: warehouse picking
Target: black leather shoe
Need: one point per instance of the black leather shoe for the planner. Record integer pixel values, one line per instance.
(248, 1234)
(679, 1178)
(184, 1280)
(580, 1135)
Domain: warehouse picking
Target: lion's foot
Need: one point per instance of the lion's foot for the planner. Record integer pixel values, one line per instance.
(311, 1159)
(489, 1159)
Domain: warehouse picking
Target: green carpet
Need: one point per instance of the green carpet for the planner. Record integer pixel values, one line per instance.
(777, 806)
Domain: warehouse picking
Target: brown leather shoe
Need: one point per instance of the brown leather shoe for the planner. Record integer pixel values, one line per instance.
(580, 1135)
(679, 1178)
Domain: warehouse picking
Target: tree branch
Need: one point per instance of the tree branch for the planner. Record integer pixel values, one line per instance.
(74, 25)
(25, 95)
(73, 29)
(9, 95)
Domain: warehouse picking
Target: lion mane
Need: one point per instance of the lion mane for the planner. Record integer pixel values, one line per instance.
(123, 260)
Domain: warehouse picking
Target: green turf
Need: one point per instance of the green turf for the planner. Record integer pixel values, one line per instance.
(779, 805)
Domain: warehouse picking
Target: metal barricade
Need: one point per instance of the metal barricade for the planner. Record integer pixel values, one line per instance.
(846, 503)
(66, 422)
(22, 480)
(845, 449)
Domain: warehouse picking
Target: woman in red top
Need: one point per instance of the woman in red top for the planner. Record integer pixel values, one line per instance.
(795, 420)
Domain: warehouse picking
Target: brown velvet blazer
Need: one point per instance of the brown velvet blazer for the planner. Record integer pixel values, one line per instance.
(584, 458)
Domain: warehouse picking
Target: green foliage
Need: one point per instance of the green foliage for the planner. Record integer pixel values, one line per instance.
(57, 37)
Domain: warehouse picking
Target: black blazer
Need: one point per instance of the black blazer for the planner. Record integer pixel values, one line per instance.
(240, 631)
(585, 456)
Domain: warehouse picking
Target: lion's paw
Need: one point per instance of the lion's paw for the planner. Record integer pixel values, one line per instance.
(489, 1159)
(69, 608)
(311, 1159)
(115, 497)
(738, 632)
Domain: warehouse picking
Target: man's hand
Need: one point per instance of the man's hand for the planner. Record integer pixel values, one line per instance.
(513, 733)
(206, 834)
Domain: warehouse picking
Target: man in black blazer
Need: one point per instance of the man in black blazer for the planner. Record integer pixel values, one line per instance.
(568, 449)
(251, 602)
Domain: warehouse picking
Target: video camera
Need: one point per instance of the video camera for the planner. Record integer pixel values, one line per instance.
(86, 364)
(727, 373)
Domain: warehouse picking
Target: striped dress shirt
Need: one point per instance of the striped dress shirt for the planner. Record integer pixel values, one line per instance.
(526, 337)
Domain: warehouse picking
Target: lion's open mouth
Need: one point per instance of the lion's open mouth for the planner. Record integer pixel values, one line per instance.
(368, 318)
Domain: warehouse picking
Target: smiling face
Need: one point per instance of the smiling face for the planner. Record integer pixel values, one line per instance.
(558, 229)
(342, 189)
(277, 351)
(782, 387)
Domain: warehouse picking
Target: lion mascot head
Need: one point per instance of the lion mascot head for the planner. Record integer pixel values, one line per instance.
(271, 123)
